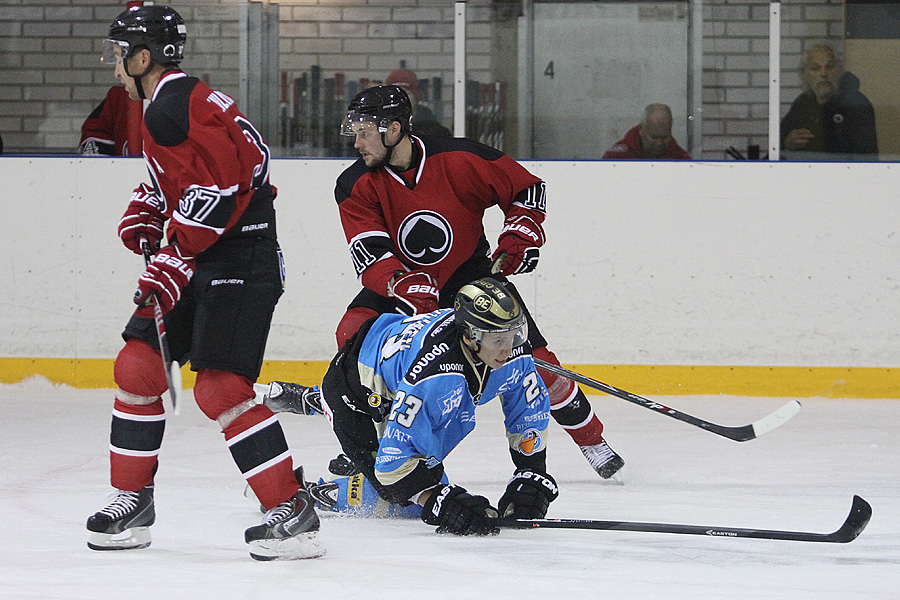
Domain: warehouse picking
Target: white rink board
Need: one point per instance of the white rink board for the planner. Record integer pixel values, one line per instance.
(701, 263)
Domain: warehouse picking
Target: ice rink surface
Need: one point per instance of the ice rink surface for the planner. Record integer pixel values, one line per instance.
(801, 477)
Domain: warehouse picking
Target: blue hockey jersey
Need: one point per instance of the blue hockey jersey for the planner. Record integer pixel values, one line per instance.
(418, 363)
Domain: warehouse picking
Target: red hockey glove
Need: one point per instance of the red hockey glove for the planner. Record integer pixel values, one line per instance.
(520, 241)
(416, 293)
(142, 218)
(164, 278)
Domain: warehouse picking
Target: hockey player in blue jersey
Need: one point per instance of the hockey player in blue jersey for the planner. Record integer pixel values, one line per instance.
(402, 393)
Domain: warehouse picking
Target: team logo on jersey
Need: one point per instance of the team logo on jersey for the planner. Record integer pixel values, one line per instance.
(425, 237)
(531, 442)
(374, 400)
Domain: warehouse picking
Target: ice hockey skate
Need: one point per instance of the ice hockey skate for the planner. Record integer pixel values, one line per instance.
(288, 532)
(603, 459)
(282, 396)
(124, 524)
(325, 493)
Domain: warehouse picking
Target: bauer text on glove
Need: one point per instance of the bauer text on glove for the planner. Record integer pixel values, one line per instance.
(520, 241)
(165, 278)
(416, 293)
(142, 218)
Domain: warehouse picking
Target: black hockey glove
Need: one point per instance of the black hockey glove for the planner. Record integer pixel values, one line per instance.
(528, 495)
(454, 510)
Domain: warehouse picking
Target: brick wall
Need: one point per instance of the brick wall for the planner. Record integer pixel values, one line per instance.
(50, 76)
(736, 65)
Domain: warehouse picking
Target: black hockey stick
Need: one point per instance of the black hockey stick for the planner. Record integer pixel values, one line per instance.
(173, 369)
(856, 521)
(740, 433)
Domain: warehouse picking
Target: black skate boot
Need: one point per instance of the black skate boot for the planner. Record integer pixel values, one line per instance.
(325, 493)
(603, 459)
(281, 396)
(124, 524)
(288, 532)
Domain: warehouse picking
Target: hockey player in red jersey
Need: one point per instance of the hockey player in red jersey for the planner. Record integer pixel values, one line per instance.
(114, 127)
(412, 209)
(217, 278)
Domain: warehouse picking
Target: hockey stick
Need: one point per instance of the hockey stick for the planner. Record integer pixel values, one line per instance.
(172, 368)
(856, 521)
(740, 433)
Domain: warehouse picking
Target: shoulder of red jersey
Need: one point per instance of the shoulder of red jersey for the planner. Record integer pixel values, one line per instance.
(348, 179)
(167, 117)
(439, 145)
(434, 146)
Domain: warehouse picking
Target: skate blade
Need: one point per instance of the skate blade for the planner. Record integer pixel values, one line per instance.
(303, 545)
(130, 539)
(616, 478)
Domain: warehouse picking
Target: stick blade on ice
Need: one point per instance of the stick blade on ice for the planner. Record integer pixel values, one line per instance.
(176, 386)
(776, 419)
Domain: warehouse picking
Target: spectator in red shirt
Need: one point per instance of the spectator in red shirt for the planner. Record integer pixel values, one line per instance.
(651, 139)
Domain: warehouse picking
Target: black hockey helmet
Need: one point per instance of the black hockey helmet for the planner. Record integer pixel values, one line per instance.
(485, 310)
(160, 29)
(379, 105)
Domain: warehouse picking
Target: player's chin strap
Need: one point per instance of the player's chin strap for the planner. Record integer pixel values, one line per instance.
(137, 78)
(390, 149)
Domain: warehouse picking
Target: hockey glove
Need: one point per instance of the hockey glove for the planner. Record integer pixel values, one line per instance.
(416, 293)
(454, 510)
(520, 240)
(142, 218)
(164, 278)
(528, 495)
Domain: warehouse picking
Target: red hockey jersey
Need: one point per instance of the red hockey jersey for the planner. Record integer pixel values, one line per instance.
(114, 127)
(429, 218)
(207, 162)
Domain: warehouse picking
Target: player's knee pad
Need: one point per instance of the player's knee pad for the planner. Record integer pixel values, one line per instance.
(139, 373)
(575, 413)
(351, 322)
(223, 396)
(561, 390)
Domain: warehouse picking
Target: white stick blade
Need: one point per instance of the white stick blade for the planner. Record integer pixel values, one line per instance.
(177, 385)
(776, 419)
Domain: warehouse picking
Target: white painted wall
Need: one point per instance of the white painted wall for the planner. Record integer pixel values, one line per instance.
(732, 263)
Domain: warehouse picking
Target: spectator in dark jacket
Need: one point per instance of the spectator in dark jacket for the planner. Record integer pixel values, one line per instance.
(831, 119)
